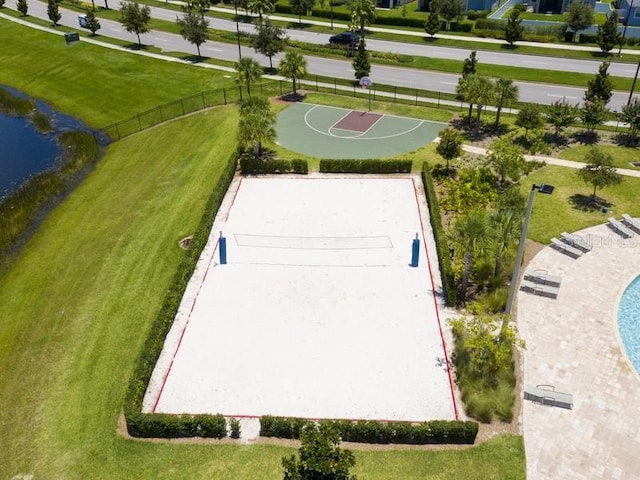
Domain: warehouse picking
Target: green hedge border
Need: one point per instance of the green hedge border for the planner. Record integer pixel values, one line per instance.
(364, 166)
(448, 279)
(250, 165)
(372, 431)
(141, 424)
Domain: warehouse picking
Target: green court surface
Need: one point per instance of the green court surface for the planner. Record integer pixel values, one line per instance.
(332, 132)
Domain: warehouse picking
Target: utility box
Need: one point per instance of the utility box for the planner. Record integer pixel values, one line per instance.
(71, 37)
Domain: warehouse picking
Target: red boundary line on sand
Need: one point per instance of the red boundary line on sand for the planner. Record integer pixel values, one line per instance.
(328, 418)
(435, 304)
(184, 329)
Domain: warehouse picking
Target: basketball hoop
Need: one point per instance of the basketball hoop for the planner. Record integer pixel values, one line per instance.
(365, 82)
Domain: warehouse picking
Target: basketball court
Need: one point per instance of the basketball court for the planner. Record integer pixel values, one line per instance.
(317, 313)
(333, 132)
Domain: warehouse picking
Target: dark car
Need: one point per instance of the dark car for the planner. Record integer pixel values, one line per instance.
(345, 38)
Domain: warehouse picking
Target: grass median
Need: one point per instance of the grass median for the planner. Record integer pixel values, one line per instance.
(568, 209)
(96, 84)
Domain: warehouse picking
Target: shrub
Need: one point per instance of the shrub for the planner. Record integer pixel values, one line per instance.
(151, 425)
(373, 431)
(234, 427)
(476, 14)
(444, 259)
(251, 165)
(365, 166)
(463, 26)
(489, 24)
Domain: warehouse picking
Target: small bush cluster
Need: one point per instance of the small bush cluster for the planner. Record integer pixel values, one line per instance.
(151, 425)
(489, 24)
(476, 14)
(372, 431)
(159, 425)
(364, 166)
(462, 26)
(252, 165)
(444, 259)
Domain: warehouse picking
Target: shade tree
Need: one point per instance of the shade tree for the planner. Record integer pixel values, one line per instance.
(561, 114)
(135, 18)
(293, 66)
(599, 171)
(194, 28)
(269, 40)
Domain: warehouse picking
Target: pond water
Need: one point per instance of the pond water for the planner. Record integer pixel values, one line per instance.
(24, 151)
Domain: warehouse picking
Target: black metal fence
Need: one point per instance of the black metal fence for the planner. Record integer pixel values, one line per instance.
(185, 106)
(225, 96)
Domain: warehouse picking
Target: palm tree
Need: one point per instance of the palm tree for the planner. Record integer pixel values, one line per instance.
(256, 125)
(506, 225)
(485, 96)
(363, 12)
(248, 70)
(471, 234)
(261, 7)
(293, 66)
(470, 88)
(506, 93)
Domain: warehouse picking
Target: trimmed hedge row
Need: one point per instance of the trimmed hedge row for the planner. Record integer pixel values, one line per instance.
(372, 431)
(444, 259)
(250, 165)
(159, 425)
(364, 166)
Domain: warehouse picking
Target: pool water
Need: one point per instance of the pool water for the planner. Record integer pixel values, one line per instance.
(629, 322)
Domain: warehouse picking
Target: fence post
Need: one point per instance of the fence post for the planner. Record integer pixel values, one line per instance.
(335, 85)
(203, 104)
(316, 83)
(416, 97)
(118, 131)
(139, 123)
(182, 104)
(224, 95)
(438, 100)
(395, 93)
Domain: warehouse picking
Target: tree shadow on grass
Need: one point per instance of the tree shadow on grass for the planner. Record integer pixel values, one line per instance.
(588, 203)
(298, 26)
(193, 58)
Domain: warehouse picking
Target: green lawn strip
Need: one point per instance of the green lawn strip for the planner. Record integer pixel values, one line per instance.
(487, 461)
(622, 156)
(562, 211)
(96, 84)
(78, 301)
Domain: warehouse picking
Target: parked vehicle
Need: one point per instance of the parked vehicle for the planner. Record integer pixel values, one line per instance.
(345, 38)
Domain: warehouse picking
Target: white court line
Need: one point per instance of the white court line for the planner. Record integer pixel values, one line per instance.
(329, 134)
(386, 114)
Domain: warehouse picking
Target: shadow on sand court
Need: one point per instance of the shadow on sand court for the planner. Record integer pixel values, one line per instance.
(333, 132)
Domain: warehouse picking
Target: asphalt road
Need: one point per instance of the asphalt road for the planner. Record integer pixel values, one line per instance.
(401, 77)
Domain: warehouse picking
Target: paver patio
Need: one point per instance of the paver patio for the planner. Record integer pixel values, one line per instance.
(573, 344)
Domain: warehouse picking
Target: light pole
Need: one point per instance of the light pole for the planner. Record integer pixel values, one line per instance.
(235, 6)
(542, 188)
(626, 22)
(633, 85)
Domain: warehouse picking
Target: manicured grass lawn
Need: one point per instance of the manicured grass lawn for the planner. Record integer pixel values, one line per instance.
(77, 303)
(622, 156)
(99, 85)
(76, 308)
(564, 210)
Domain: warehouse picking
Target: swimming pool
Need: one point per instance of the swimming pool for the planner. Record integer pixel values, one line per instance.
(629, 322)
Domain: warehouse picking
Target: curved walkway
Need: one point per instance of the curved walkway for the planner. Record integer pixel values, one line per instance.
(573, 344)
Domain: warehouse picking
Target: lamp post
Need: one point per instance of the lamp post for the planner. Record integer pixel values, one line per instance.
(542, 188)
(633, 85)
(235, 6)
(626, 22)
